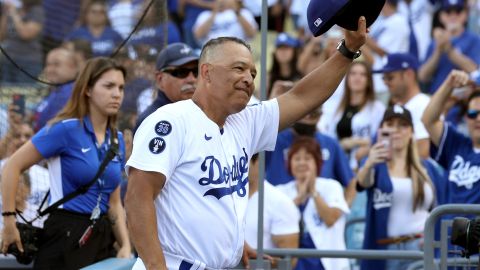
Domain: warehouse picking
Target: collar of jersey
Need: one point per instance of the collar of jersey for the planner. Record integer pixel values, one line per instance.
(89, 128)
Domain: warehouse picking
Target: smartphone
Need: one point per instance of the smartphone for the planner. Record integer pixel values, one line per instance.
(19, 101)
(384, 138)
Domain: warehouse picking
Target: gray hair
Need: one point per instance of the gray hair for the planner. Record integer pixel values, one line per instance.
(208, 49)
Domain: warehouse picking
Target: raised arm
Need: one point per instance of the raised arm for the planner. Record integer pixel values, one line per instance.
(431, 115)
(316, 87)
(143, 188)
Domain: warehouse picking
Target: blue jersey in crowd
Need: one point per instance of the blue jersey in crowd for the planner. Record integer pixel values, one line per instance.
(379, 202)
(467, 43)
(74, 158)
(52, 104)
(456, 154)
(104, 45)
(335, 162)
(154, 36)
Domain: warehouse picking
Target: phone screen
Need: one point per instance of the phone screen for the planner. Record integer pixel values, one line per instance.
(19, 101)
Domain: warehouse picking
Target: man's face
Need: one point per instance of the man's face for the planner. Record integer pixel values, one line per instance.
(231, 76)
(473, 120)
(60, 66)
(178, 83)
(395, 81)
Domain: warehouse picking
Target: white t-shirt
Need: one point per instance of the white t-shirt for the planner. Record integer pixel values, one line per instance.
(416, 106)
(393, 36)
(225, 24)
(402, 206)
(331, 238)
(280, 216)
(255, 6)
(201, 208)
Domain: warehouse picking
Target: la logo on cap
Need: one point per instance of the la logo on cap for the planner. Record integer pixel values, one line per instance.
(453, 2)
(398, 109)
(185, 50)
(405, 65)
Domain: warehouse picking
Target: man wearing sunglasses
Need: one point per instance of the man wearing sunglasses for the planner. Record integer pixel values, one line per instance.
(176, 77)
(457, 153)
(453, 46)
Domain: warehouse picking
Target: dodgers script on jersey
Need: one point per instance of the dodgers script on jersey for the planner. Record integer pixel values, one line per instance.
(201, 209)
(455, 153)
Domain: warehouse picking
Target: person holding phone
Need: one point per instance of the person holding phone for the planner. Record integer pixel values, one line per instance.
(75, 142)
(401, 190)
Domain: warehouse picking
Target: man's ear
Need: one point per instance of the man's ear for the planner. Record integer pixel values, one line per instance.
(159, 78)
(205, 69)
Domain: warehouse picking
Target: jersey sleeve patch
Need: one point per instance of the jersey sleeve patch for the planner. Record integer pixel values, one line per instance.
(157, 145)
(163, 128)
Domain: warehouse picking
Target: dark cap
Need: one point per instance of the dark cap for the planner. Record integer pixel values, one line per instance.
(175, 54)
(323, 14)
(448, 4)
(284, 39)
(398, 111)
(398, 61)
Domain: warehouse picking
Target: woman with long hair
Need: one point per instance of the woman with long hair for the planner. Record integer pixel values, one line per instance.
(400, 190)
(321, 203)
(74, 143)
(358, 115)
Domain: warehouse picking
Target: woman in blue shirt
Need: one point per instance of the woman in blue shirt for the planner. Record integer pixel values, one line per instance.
(74, 143)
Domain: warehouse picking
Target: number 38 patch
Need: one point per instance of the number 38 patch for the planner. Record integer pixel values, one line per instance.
(163, 128)
(157, 145)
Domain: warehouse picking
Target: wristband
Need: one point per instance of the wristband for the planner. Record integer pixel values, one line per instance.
(346, 52)
(6, 214)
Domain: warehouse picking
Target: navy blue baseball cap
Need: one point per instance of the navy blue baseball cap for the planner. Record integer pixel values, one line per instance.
(284, 39)
(398, 111)
(174, 55)
(448, 4)
(323, 14)
(398, 61)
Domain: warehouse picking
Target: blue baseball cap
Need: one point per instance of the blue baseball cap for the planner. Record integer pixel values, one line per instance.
(398, 61)
(447, 4)
(323, 14)
(284, 39)
(174, 55)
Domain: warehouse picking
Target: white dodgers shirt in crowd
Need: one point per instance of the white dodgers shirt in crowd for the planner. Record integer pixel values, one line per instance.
(201, 208)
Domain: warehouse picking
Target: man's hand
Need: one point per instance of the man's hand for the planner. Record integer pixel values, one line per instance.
(354, 40)
(457, 79)
(250, 253)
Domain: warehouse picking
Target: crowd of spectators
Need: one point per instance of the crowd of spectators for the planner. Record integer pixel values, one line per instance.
(413, 49)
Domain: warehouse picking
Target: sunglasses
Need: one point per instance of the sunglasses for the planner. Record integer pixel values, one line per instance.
(472, 114)
(181, 73)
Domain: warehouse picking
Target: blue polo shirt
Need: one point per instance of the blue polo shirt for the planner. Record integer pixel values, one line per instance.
(73, 160)
(335, 161)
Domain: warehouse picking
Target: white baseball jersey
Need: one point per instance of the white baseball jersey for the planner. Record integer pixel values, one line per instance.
(201, 209)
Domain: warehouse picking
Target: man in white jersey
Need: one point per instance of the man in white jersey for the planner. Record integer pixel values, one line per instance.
(188, 172)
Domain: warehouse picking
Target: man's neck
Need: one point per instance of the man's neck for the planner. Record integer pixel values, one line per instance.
(411, 93)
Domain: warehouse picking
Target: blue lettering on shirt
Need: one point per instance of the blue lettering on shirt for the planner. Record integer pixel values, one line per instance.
(220, 175)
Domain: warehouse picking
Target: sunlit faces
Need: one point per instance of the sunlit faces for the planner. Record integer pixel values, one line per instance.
(231, 76)
(96, 14)
(175, 84)
(401, 132)
(106, 95)
(303, 165)
(395, 81)
(357, 78)
(60, 66)
(284, 54)
(474, 123)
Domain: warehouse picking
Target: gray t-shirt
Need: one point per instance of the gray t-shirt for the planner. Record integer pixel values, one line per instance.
(25, 50)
